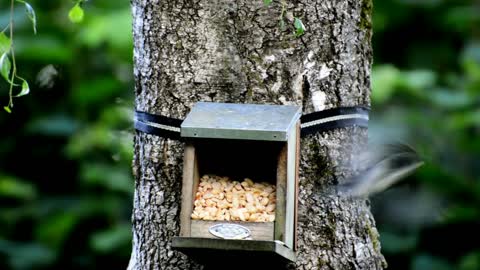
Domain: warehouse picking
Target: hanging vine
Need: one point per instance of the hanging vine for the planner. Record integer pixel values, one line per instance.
(8, 65)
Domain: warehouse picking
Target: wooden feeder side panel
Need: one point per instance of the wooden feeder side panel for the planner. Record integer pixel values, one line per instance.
(189, 187)
(297, 184)
(280, 218)
(291, 189)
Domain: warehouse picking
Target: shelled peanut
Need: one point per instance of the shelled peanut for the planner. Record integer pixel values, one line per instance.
(220, 198)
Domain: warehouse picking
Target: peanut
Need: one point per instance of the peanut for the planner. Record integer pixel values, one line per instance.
(219, 198)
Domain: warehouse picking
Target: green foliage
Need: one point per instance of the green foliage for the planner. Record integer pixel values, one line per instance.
(8, 68)
(470, 261)
(109, 240)
(26, 256)
(267, 2)
(425, 91)
(32, 16)
(299, 27)
(5, 43)
(76, 14)
(12, 187)
(65, 179)
(427, 262)
(5, 66)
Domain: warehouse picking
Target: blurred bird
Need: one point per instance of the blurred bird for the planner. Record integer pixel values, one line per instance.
(47, 76)
(382, 167)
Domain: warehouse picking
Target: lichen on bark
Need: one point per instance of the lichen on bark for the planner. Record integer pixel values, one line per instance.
(234, 51)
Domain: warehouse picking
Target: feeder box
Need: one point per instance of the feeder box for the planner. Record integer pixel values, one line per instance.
(260, 142)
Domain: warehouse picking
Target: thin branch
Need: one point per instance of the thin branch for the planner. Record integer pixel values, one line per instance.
(12, 52)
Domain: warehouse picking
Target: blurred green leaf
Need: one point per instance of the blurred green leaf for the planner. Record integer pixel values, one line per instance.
(53, 125)
(32, 16)
(16, 188)
(25, 88)
(299, 27)
(52, 48)
(76, 14)
(395, 243)
(26, 256)
(462, 18)
(471, 61)
(99, 30)
(95, 91)
(385, 79)
(54, 229)
(464, 119)
(267, 2)
(446, 98)
(461, 213)
(5, 43)
(7, 109)
(94, 137)
(470, 261)
(112, 239)
(112, 177)
(418, 79)
(5, 66)
(428, 262)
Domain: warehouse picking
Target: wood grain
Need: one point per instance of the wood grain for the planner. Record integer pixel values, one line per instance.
(280, 211)
(189, 186)
(297, 165)
(259, 230)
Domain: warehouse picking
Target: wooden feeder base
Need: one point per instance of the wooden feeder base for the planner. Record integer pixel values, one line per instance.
(233, 252)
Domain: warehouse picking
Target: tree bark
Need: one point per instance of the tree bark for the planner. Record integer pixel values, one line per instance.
(236, 51)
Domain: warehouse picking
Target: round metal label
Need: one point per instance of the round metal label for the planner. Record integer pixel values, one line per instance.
(229, 231)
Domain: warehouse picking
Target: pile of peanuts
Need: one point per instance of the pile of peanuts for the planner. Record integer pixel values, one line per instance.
(220, 198)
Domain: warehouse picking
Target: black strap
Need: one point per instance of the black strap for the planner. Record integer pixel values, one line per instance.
(334, 118)
(310, 123)
(158, 125)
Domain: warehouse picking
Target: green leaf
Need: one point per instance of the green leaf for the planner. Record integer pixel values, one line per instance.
(450, 99)
(55, 125)
(109, 240)
(76, 14)
(429, 262)
(11, 187)
(54, 229)
(31, 15)
(53, 49)
(267, 2)
(299, 27)
(7, 109)
(98, 30)
(395, 243)
(22, 255)
(111, 177)
(5, 66)
(5, 43)
(418, 79)
(385, 80)
(471, 261)
(25, 88)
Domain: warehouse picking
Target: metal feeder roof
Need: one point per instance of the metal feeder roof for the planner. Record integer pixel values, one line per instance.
(240, 121)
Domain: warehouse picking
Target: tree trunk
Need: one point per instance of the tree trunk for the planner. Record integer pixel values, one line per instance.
(237, 51)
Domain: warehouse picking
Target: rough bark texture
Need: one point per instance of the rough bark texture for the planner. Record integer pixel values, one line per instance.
(235, 51)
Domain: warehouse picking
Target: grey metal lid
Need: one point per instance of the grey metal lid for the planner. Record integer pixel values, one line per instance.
(240, 121)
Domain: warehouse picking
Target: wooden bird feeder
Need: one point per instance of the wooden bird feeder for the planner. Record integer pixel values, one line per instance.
(240, 141)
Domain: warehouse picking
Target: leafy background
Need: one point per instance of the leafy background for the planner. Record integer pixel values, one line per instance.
(65, 151)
